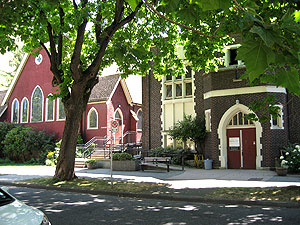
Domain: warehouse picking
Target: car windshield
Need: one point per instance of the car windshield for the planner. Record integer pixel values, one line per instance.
(5, 198)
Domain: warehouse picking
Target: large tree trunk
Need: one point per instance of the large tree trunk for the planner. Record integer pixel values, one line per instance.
(74, 107)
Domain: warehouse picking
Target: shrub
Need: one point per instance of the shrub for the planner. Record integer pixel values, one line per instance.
(23, 144)
(291, 157)
(4, 129)
(175, 153)
(122, 156)
(91, 161)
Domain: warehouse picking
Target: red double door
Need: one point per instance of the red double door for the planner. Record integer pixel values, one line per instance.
(241, 148)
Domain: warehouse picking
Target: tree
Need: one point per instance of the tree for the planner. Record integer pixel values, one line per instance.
(81, 37)
(190, 128)
(14, 62)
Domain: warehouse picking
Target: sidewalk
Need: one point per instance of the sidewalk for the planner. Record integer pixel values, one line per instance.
(188, 185)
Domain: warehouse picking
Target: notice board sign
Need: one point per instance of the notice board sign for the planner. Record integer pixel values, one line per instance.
(234, 143)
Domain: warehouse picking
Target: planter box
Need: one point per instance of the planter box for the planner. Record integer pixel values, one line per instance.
(281, 171)
(131, 165)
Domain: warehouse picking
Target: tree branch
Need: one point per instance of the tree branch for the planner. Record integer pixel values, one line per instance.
(97, 25)
(93, 69)
(179, 24)
(75, 60)
(75, 5)
(60, 35)
(119, 10)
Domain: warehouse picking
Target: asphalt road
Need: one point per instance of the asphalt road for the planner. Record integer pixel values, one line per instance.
(64, 208)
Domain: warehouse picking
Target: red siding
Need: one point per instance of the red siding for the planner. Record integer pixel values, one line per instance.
(31, 76)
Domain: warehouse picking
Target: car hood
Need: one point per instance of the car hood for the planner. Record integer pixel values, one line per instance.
(17, 213)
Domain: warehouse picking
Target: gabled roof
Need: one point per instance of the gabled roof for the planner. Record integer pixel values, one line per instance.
(104, 88)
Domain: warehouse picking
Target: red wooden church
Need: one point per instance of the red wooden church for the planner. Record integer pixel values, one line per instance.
(26, 103)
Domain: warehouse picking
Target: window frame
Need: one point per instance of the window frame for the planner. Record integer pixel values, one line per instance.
(137, 123)
(280, 121)
(27, 114)
(88, 119)
(57, 110)
(207, 114)
(12, 111)
(53, 110)
(42, 113)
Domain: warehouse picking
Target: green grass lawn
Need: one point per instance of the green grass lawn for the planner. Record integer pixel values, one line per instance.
(14, 165)
(93, 184)
(285, 194)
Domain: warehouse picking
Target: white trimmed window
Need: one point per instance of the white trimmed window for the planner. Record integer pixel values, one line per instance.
(15, 111)
(179, 87)
(277, 123)
(231, 56)
(92, 119)
(208, 120)
(140, 121)
(24, 110)
(60, 110)
(37, 100)
(50, 106)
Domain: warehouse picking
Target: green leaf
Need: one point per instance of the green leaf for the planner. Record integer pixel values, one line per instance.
(289, 79)
(213, 4)
(266, 35)
(256, 56)
(133, 4)
(297, 16)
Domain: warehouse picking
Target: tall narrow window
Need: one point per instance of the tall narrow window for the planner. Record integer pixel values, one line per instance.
(37, 105)
(93, 119)
(15, 111)
(140, 121)
(60, 110)
(24, 110)
(208, 120)
(50, 110)
(277, 122)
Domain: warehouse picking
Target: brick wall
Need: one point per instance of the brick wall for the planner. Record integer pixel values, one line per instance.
(151, 112)
(272, 139)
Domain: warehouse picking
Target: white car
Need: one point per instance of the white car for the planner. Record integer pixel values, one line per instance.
(14, 212)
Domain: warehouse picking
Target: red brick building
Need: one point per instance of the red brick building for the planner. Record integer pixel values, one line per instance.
(26, 103)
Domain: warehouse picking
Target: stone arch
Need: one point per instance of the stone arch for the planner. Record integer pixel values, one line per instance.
(223, 136)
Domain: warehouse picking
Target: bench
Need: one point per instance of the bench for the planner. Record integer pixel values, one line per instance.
(156, 160)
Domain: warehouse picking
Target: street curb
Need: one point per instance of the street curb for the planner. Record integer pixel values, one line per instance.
(183, 198)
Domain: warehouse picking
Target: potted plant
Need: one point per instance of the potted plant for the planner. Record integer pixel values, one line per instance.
(124, 162)
(91, 164)
(282, 167)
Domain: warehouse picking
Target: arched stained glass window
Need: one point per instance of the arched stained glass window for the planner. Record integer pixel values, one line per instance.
(60, 110)
(239, 119)
(24, 110)
(50, 110)
(140, 121)
(37, 105)
(15, 111)
(93, 119)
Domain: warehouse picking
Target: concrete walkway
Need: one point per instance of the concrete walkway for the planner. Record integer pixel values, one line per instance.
(189, 178)
(190, 185)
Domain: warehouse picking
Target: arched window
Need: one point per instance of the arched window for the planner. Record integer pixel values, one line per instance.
(118, 114)
(49, 110)
(140, 121)
(15, 111)
(239, 120)
(92, 119)
(60, 110)
(24, 110)
(37, 100)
